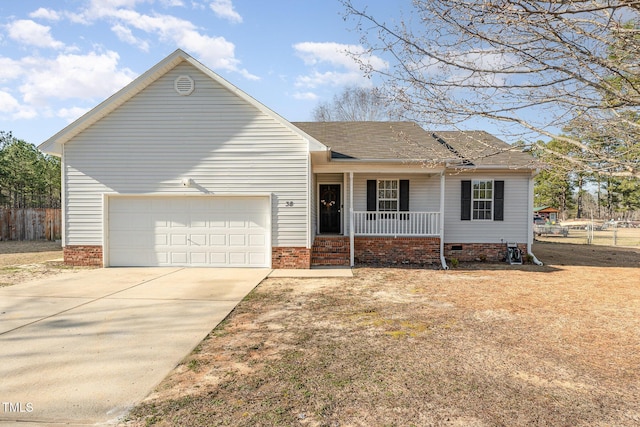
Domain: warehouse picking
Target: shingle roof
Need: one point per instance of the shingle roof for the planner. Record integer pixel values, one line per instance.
(408, 141)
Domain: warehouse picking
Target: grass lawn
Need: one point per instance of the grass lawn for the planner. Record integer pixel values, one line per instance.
(481, 345)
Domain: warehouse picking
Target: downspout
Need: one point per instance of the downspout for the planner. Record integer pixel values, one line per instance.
(442, 260)
(530, 223)
(351, 234)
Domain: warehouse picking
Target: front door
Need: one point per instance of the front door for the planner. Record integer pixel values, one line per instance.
(330, 208)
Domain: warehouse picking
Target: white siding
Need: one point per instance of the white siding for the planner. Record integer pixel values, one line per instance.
(153, 141)
(516, 211)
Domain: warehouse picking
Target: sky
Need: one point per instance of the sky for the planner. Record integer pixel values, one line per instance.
(59, 59)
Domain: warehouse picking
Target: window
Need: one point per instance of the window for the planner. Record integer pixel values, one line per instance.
(482, 199)
(387, 195)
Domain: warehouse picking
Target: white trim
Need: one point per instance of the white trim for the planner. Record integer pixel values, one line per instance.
(105, 230)
(530, 221)
(351, 230)
(63, 200)
(343, 223)
(443, 261)
(310, 200)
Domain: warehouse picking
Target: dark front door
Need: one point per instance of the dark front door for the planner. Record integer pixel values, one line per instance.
(329, 208)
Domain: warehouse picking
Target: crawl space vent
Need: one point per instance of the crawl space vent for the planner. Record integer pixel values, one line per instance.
(184, 85)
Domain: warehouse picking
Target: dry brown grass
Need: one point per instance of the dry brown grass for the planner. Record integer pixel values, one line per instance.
(482, 345)
(30, 260)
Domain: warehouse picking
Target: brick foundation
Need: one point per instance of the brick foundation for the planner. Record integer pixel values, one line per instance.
(330, 251)
(473, 252)
(397, 250)
(86, 256)
(290, 257)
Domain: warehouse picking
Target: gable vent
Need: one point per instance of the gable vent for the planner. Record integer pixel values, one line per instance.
(184, 85)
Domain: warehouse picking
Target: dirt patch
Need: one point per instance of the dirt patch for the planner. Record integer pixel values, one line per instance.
(30, 260)
(482, 345)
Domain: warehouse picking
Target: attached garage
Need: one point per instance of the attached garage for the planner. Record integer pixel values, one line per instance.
(199, 231)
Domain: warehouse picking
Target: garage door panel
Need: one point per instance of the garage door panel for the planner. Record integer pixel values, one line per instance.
(143, 240)
(198, 240)
(199, 221)
(237, 258)
(217, 239)
(198, 258)
(257, 240)
(257, 258)
(237, 240)
(237, 224)
(179, 258)
(178, 239)
(218, 258)
(177, 231)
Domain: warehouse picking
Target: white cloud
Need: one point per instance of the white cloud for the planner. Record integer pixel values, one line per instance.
(224, 9)
(126, 35)
(332, 78)
(339, 66)
(336, 54)
(47, 14)
(71, 114)
(88, 77)
(215, 52)
(8, 103)
(172, 3)
(31, 33)
(11, 107)
(305, 96)
(10, 69)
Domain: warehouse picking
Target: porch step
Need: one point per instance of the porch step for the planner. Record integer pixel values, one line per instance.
(330, 251)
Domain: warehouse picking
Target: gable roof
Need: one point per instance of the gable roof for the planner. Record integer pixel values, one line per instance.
(54, 144)
(403, 141)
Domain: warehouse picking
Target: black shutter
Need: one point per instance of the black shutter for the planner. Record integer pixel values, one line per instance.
(498, 201)
(404, 195)
(371, 195)
(465, 202)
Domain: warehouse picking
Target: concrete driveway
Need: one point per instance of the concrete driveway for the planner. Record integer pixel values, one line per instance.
(82, 348)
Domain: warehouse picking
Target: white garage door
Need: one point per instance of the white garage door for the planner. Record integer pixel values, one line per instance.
(189, 231)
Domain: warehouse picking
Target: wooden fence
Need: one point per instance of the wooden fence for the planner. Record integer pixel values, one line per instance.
(30, 224)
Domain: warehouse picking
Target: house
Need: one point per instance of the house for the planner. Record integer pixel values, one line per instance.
(547, 213)
(181, 168)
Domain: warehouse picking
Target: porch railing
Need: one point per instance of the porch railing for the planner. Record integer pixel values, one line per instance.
(396, 223)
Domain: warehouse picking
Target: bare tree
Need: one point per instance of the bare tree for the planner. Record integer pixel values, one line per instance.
(352, 105)
(534, 67)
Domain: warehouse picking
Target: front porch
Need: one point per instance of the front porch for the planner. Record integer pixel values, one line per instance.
(381, 238)
(394, 219)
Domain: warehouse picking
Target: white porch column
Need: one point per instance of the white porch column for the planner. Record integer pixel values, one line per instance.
(351, 225)
(443, 261)
(530, 220)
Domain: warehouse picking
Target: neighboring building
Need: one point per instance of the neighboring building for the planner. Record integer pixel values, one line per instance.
(547, 213)
(181, 168)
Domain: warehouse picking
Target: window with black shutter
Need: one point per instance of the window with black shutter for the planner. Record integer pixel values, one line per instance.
(387, 195)
(482, 200)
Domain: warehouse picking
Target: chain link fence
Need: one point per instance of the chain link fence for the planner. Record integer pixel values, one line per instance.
(605, 234)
